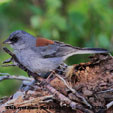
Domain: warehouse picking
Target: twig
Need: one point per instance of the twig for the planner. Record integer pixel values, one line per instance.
(105, 91)
(7, 61)
(74, 91)
(109, 105)
(111, 55)
(8, 65)
(7, 76)
(35, 101)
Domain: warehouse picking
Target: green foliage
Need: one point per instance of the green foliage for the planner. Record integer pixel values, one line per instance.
(84, 23)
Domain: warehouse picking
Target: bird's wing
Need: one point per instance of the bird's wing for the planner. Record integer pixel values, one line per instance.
(43, 42)
(48, 48)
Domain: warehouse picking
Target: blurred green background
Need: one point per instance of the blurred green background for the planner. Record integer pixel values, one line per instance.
(83, 23)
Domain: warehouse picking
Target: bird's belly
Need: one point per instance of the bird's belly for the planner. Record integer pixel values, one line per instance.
(45, 65)
(37, 64)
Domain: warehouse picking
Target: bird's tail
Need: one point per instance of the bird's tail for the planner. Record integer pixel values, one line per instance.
(91, 50)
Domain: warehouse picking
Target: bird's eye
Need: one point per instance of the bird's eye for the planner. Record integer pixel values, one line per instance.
(14, 39)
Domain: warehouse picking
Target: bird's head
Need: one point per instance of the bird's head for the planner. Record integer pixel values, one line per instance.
(20, 40)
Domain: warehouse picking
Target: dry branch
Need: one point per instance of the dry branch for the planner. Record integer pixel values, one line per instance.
(8, 76)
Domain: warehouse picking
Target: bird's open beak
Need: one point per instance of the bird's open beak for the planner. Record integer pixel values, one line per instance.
(7, 41)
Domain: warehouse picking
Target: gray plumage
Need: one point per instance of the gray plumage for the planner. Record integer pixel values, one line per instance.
(44, 58)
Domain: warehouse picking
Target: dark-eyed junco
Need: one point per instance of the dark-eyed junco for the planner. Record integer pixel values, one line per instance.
(41, 55)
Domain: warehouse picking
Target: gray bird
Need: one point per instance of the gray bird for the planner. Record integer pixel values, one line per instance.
(41, 55)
